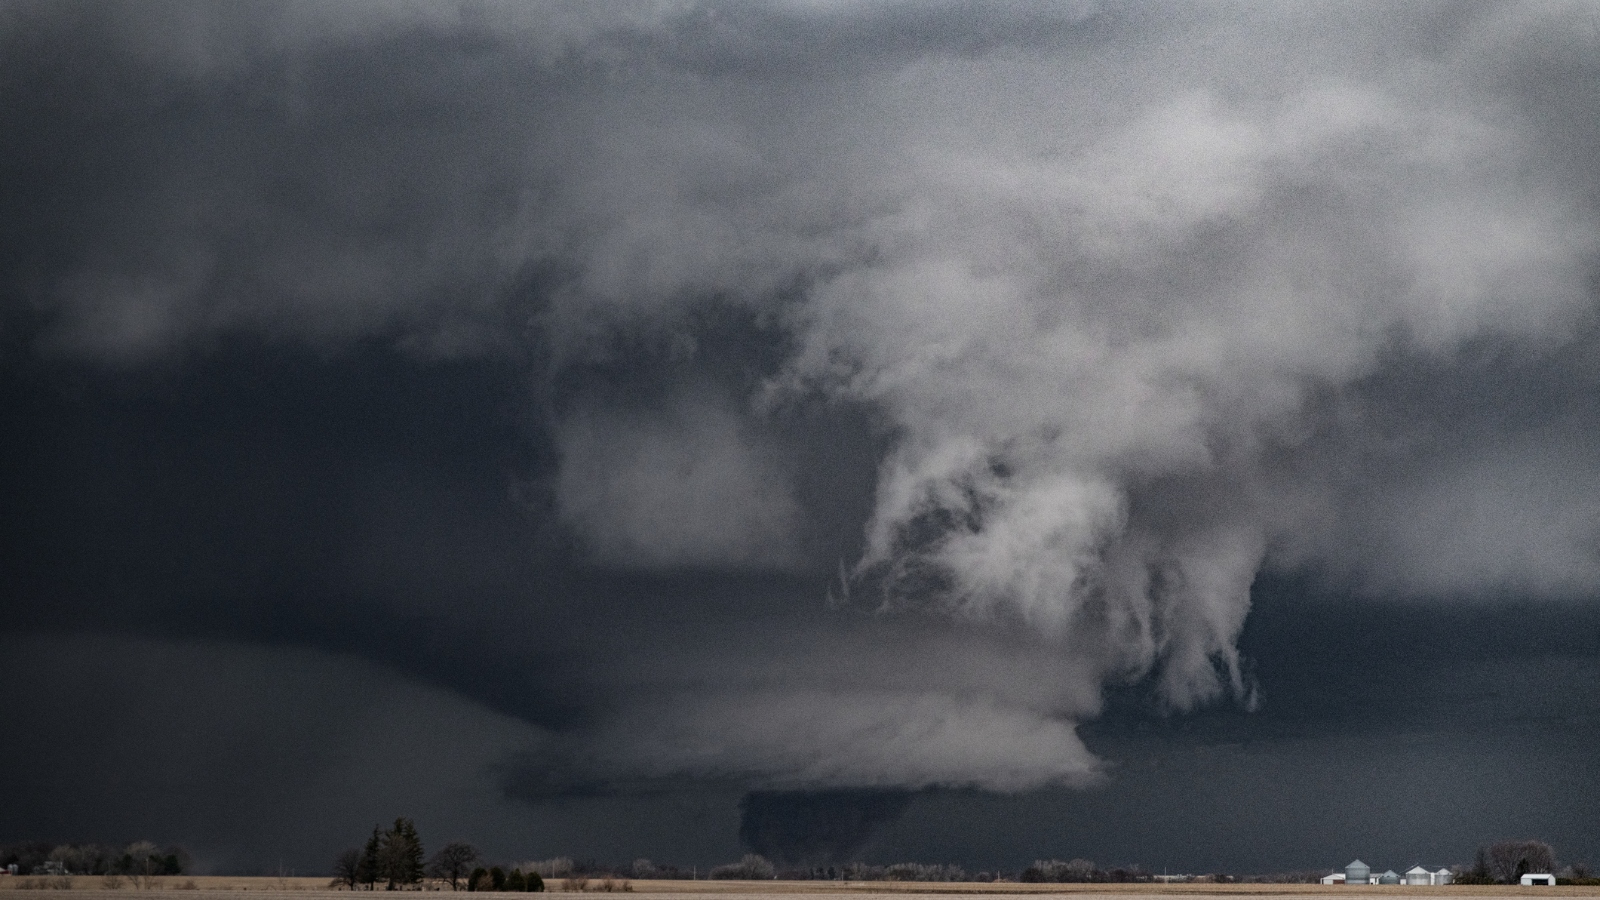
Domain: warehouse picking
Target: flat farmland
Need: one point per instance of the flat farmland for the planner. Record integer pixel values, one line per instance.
(270, 888)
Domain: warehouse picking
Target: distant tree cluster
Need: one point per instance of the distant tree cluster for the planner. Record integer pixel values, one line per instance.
(140, 859)
(923, 872)
(644, 868)
(581, 875)
(1079, 871)
(454, 863)
(394, 858)
(561, 867)
(1577, 873)
(495, 878)
(1506, 863)
(756, 868)
(753, 867)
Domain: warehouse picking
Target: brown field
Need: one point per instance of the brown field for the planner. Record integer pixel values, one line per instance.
(273, 888)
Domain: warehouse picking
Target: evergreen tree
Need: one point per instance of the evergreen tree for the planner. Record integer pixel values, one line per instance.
(371, 860)
(400, 855)
(413, 866)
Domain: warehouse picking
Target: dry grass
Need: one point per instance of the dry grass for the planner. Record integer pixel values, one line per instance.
(183, 887)
(162, 883)
(729, 890)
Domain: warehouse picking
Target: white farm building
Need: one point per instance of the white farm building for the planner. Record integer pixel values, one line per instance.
(1359, 872)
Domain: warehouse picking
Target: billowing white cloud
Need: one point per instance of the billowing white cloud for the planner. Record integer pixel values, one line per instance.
(1120, 286)
(853, 739)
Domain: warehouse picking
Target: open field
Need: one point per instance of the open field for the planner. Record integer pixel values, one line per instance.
(273, 888)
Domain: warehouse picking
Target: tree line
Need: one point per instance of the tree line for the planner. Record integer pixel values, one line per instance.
(138, 859)
(394, 858)
(1080, 871)
(1507, 861)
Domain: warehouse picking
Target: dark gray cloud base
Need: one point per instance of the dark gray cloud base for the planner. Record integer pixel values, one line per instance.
(565, 357)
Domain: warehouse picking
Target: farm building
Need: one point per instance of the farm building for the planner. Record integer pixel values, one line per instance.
(1544, 878)
(1357, 872)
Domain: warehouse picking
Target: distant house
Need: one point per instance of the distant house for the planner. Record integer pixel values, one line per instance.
(1544, 878)
(1357, 872)
(1335, 878)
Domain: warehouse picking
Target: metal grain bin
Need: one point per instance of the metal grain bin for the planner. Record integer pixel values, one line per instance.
(1357, 872)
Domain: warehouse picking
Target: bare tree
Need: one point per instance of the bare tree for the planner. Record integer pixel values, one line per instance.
(143, 863)
(560, 867)
(65, 858)
(347, 869)
(453, 862)
(753, 867)
(1508, 861)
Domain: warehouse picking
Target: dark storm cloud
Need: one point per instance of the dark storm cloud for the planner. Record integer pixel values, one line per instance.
(567, 356)
(815, 828)
(239, 752)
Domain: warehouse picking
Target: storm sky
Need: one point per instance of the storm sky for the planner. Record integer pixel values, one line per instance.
(1158, 433)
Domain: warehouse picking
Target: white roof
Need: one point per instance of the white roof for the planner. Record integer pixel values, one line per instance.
(1418, 870)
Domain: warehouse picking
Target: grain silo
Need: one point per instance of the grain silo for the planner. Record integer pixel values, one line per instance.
(1418, 875)
(1389, 877)
(1357, 872)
